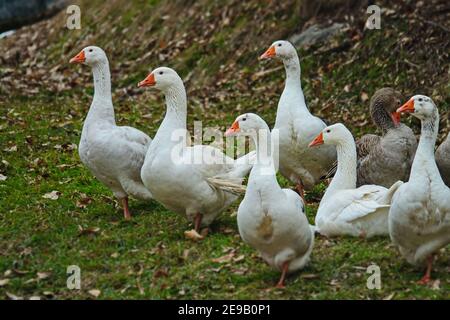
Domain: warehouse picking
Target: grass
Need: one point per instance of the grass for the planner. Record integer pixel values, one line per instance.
(149, 257)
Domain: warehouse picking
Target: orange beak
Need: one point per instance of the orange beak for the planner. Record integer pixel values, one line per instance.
(79, 58)
(407, 107)
(148, 82)
(396, 117)
(317, 141)
(270, 53)
(233, 129)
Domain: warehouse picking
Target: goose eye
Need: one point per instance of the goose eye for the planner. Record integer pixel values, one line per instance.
(328, 131)
(279, 44)
(399, 102)
(243, 119)
(161, 72)
(420, 99)
(90, 50)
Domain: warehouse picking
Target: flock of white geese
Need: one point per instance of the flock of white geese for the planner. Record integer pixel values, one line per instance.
(381, 185)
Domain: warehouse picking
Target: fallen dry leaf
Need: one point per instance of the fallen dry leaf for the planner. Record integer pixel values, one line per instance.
(204, 232)
(54, 195)
(13, 296)
(3, 282)
(193, 235)
(43, 275)
(94, 292)
(185, 254)
(12, 149)
(3, 177)
(88, 231)
(20, 272)
(436, 284)
(223, 259)
(216, 269)
(84, 201)
(125, 289)
(240, 271)
(364, 97)
(26, 252)
(228, 230)
(389, 297)
(309, 276)
(139, 286)
(162, 272)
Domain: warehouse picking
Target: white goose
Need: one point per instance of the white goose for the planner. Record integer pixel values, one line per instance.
(345, 209)
(113, 154)
(270, 219)
(180, 177)
(419, 218)
(297, 126)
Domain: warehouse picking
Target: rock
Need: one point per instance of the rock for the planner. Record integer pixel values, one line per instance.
(17, 13)
(317, 34)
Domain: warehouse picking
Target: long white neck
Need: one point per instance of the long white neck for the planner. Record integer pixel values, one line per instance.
(424, 157)
(176, 114)
(101, 107)
(292, 100)
(263, 174)
(263, 145)
(345, 177)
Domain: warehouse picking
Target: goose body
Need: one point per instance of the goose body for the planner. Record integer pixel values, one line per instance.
(114, 154)
(419, 217)
(180, 176)
(387, 158)
(443, 160)
(345, 209)
(296, 126)
(271, 219)
(384, 160)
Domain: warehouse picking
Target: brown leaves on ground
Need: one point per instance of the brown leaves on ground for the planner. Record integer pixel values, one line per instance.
(83, 201)
(95, 293)
(209, 53)
(224, 259)
(54, 195)
(193, 235)
(88, 231)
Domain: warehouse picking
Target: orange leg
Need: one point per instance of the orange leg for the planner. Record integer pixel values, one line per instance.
(300, 191)
(126, 212)
(427, 276)
(198, 222)
(284, 271)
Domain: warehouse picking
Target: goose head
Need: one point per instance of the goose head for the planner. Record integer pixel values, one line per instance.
(280, 49)
(90, 55)
(383, 108)
(162, 78)
(335, 134)
(246, 124)
(420, 106)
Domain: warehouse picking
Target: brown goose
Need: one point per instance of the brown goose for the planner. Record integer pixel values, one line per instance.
(443, 160)
(385, 159)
